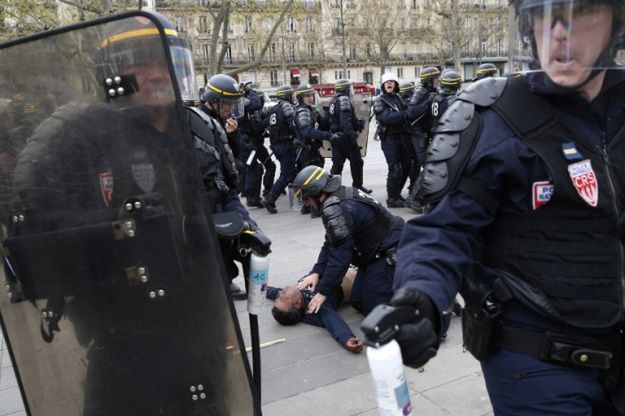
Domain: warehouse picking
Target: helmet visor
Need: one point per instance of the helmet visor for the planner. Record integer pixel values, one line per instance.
(182, 59)
(569, 40)
(296, 198)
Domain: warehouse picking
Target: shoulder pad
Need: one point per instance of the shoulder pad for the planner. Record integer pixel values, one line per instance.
(344, 103)
(378, 106)
(457, 117)
(334, 220)
(484, 92)
(302, 118)
(288, 110)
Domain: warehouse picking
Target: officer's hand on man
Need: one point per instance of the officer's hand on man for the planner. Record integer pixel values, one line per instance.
(309, 282)
(315, 303)
(418, 339)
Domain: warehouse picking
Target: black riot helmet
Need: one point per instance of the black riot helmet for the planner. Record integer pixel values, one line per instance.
(571, 41)
(484, 71)
(343, 87)
(406, 89)
(224, 94)
(312, 180)
(134, 43)
(285, 93)
(450, 80)
(306, 90)
(428, 76)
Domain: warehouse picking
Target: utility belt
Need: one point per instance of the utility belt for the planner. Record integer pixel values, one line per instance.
(484, 334)
(390, 254)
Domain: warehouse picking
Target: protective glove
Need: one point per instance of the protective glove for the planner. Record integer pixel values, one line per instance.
(418, 339)
(361, 124)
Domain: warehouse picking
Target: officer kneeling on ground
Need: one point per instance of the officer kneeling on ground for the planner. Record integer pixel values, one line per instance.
(527, 220)
(359, 231)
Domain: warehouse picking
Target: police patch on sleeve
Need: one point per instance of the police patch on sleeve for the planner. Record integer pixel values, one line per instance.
(541, 193)
(106, 187)
(585, 181)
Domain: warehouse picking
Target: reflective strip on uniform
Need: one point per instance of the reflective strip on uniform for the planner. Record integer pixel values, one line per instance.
(232, 94)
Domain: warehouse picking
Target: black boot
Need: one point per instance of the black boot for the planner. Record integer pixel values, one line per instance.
(357, 180)
(254, 202)
(395, 203)
(362, 188)
(270, 203)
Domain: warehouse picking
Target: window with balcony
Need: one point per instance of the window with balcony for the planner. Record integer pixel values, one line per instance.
(352, 54)
(250, 53)
(368, 77)
(417, 72)
(273, 52)
(228, 57)
(414, 4)
(483, 49)
(273, 74)
(311, 50)
(248, 24)
(400, 73)
(309, 24)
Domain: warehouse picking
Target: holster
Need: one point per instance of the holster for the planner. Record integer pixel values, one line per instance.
(480, 331)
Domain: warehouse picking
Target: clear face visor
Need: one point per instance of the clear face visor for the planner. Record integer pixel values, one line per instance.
(568, 39)
(296, 199)
(182, 59)
(310, 99)
(231, 107)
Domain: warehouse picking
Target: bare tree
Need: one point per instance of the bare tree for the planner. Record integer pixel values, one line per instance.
(344, 15)
(24, 17)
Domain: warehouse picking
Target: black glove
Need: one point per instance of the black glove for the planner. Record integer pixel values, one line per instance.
(418, 339)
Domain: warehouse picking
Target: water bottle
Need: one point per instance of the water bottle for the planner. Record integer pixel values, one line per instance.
(257, 287)
(387, 371)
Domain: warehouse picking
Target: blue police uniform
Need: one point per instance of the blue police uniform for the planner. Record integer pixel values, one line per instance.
(309, 126)
(391, 117)
(252, 126)
(469, 238)
(343, 120)
(359, 231)
(282, 136)
(327, 317)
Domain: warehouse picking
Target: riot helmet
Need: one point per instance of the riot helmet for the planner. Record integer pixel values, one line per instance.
(285, 93)
(343, 87)
(450, 80)
(306, 95)
(571, 41)
(389, 76)
(429, 77)
(312, 181)
(222, 93)
(128, 50)
(406, 89)
(484, 71)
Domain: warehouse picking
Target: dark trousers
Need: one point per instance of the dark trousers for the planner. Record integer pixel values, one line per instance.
(397, 157)
(286, 157)
(347, 149)
(521, 385)
(262, 164)
(373, 285)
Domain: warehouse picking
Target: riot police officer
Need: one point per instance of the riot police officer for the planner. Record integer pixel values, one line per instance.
(406, 92)
(259, 168)
(110, 231)
(310, 136)
(222, 99)
(343, 120)
(309, 127)
(282, 136)
(359, 231)
(391, 117)
(528, 220)
(485, 70)
(450, 81)
(420, 123)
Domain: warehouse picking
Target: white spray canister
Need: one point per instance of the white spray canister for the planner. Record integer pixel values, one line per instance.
(257, 287)
(387, 371)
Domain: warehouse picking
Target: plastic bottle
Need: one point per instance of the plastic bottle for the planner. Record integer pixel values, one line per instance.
(391, 388)
(257, 289)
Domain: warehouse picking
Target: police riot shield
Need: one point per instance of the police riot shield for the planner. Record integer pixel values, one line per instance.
(117, 299)
(362, 108)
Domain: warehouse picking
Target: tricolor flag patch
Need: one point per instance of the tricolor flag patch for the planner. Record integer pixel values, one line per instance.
(585, 181)
(541, 193)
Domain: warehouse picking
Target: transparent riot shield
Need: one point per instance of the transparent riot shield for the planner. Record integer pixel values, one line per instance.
(362, 108)
(118, 304)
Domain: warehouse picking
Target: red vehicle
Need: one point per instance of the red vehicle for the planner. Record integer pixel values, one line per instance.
(327, 90)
